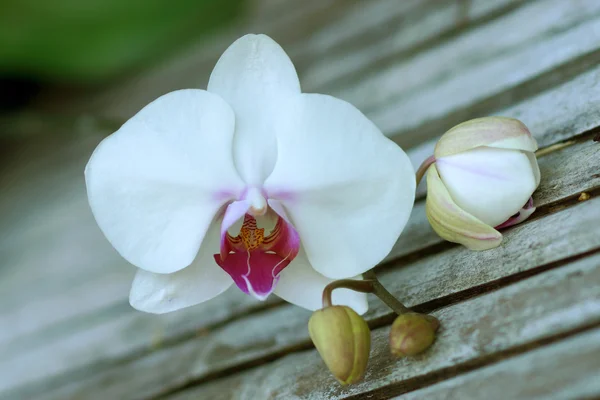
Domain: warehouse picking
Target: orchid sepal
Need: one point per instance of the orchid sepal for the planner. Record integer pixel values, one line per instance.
(497, 132)
(451, 222)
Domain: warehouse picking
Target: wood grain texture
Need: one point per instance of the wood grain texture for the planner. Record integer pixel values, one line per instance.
(429, 282)
(397, 31)
(404, 102)
(63, 288)
(71, 335)
(546, 21)
(297, 27)
(356, 28)
(560, 371)
(475, 332)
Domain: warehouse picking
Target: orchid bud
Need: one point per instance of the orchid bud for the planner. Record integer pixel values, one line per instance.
(343, 340)
(412, 334)
(482, 179)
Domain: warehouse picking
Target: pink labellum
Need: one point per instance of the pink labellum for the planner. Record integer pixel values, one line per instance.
(519, 217)
(254, 260)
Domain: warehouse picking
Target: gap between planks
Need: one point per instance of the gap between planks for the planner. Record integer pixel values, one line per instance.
(511, 320)
(192, 69)
(539, 374)
(457, 370)
(524, 230)
(427, 307)
(548, 209)
(375, 55)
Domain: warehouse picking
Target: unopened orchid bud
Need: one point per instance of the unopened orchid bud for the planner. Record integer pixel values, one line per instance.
(343, 340)
(412, 333)
(482, 179)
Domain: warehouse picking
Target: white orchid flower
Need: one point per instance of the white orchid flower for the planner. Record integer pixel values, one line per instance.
(481, 179)
(319, 192)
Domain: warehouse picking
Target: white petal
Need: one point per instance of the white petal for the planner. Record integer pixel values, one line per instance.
(155, 185)
(534, 167)
(490, 184)
(301, 285)
(201, 281)
(347, 188)
(256, 77)
(452, 222)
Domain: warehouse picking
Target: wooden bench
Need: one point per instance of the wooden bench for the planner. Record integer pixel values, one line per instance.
(520, 321)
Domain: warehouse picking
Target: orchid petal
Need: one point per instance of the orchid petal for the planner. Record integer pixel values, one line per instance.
(534, 167)
(153, 186)
(523, 214)
(497, 132)
(301, 285)
(254, 272)
(201, 281)
(287, 243)
(256, 77)
(254, 260)
(347, 188)
(453, 223)
(490, 184)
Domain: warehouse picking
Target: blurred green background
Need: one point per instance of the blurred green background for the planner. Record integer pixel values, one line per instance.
(88, 41)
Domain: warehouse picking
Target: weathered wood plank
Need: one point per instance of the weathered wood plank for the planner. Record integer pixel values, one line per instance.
(63, 288)
(437, 279)
(33, 208)
(546, 21)
(350, 29)
(576, 109)
(564, 370)
(476, 332)
(417, 235)
(115, 315)
(404, 104)
(44, 212)
(399, 33)
(392, 117)
(293, 29)
(361, 20)
(137, 331)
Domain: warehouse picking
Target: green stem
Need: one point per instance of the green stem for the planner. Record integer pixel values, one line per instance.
(369, 285)
(363, 286)
(380, 291)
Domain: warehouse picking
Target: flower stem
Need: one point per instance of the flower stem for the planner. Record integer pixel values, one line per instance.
(369, 285)
(380, 291)
(363, 286)
(423, 168)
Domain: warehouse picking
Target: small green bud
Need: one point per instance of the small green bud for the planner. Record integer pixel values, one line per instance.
(412, 334)
(343, 340)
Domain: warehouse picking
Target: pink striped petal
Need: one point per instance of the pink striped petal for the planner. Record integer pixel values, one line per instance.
(254, 260)
(255, 272)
